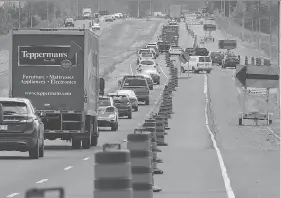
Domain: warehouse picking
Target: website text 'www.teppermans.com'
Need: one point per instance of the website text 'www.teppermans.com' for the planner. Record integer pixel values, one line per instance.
(48, 93)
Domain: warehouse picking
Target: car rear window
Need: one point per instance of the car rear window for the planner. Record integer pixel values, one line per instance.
(14, 108)
(146, 54)
(143, 51)
(69, 20)
(135, 82)
(192, 59)
(147, 62)
(104, 102)
(207, 59)
(201, 59)
(120, 98)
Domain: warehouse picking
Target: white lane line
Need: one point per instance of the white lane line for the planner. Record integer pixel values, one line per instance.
(86, 158)
(68, 168)
(271, 131)
(131, 68)
(163, 71)
(228, 188)
(12, 195)
(41, 181)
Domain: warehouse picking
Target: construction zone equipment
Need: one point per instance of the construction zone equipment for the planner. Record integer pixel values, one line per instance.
(151, 127)
(253, 61)
(139, 145)
(258, 61)
(45, 193)
(246, 60)
(113, 174)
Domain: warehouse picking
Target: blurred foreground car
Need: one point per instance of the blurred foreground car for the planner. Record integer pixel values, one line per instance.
(21, 128)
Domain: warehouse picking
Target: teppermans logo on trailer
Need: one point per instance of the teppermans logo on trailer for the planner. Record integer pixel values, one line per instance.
(64, 56)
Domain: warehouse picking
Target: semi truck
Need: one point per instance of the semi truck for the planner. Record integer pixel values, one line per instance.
(58, 70)
(87, 13)
(175, 12)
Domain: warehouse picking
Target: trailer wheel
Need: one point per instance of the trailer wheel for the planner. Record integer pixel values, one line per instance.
(86, 143)
(76, 144)
(240, 121)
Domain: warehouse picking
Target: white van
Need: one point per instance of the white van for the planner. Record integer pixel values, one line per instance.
(198, 63)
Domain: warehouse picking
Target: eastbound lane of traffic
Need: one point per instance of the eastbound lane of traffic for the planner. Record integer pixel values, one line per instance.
(251, 153)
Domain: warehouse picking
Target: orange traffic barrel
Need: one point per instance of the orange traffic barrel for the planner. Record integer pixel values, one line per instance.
(142, 178)
(113, 174)
(165, 116)
(253, 61)
(160, 125)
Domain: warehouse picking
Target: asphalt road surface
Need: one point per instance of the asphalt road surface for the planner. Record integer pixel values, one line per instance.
(235, 161)
(73, 169)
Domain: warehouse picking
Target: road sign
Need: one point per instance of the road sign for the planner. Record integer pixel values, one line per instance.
(227, 44)
(209, 27)
(257, 76)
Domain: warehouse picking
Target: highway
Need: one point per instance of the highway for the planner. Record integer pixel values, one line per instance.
(61, 164)
(235, 161)
(209, 154)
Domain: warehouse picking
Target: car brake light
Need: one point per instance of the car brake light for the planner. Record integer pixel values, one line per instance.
(110, 109)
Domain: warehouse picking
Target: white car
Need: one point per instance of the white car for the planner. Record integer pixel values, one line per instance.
(96, 26)
(175, 50)
(199, 63)
(145, 56)
(147, 64)
(154, 73)
(133, 98)
(148, 50)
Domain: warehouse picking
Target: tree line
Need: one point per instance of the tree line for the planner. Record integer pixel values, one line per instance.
(253, 11)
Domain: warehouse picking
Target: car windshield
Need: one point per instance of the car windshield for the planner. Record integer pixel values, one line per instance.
(143, 51)
(69, 20)
(120, 98)
(146, 54)
(147, 63)
(135, 82)
(104, 102)
(14, 108)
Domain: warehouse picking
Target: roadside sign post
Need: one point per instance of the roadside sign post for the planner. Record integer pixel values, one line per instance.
(256, 80)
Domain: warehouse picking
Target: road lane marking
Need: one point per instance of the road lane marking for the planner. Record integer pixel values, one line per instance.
(228, 188)
(86, 158)
(271, 131)
(12, 195)
(41, 181)
(68, 168)
(131, 68)
(163, 71)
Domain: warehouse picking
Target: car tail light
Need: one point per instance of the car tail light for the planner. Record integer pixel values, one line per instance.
(128, 103)
(110, 109)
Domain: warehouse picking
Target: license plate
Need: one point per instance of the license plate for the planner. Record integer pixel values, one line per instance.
(3, 127)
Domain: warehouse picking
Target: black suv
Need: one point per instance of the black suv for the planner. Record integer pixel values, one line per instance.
(123, 104)
(69, 22)
(21, 129)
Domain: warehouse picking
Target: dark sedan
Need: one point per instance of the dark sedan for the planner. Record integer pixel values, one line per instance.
(217, 57)
(21, 129)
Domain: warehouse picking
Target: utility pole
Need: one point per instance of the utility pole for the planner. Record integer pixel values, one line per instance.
(138, 9)
(19, 15)
(224, 11)
(270, 33)
(228, 14)
(48, 14)
(31, 14)
(98, 6)
(259, 24)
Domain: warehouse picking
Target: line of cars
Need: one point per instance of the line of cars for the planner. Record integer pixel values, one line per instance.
(133, 89)
(200, 59)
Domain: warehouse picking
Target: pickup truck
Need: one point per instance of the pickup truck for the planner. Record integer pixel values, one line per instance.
(58, 71)
(139, 85)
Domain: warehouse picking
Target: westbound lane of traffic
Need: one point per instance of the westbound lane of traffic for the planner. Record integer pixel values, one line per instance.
(15, 170)
(79, 165)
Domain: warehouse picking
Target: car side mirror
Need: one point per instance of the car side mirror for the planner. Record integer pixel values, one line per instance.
(45, 193)
(1, 114)
(102, 86)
